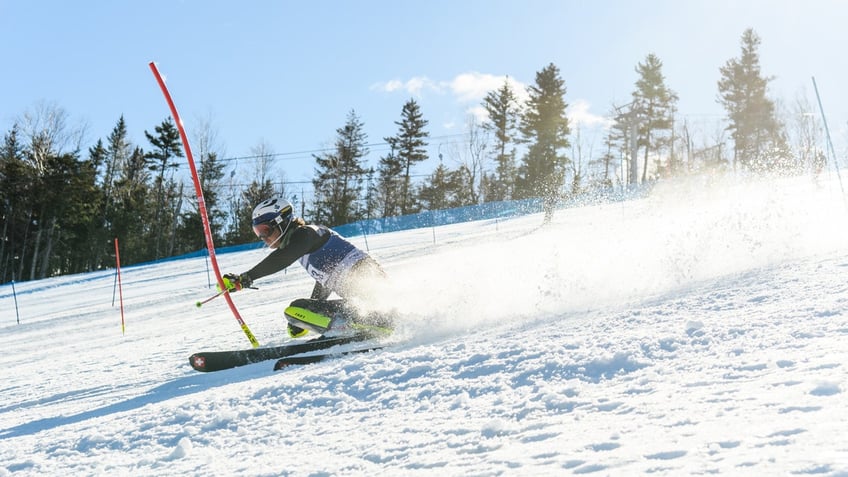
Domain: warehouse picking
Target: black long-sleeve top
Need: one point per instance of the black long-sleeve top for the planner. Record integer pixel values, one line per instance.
(303, 241)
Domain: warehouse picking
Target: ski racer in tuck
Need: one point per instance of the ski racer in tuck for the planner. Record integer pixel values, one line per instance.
(336, 265)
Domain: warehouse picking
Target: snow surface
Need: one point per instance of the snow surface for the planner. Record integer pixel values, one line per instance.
(701, 330)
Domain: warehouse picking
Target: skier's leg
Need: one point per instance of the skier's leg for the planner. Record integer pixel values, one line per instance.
(319, 316)
(322, 316)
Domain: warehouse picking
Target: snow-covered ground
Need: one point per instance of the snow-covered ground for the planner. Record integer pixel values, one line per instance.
(702, 330)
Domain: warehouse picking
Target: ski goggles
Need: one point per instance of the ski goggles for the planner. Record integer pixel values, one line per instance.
(264, 230)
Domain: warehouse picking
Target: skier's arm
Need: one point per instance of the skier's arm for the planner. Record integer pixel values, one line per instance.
(303, 240)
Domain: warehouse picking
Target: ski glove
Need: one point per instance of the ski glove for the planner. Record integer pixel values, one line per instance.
(235, 282)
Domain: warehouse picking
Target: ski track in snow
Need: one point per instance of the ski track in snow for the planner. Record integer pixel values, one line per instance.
(686, 333)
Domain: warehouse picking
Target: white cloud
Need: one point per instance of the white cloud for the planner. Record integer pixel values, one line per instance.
(478, 112)
(578, 114)
(414, 86)
(470, 87)
(389, 86)
(468, 90)
(473, 86)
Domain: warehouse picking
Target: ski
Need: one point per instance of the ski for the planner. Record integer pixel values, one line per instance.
(207, 361)
(317, 358)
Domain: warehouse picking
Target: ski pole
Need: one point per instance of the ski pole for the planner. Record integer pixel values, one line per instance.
(201, 303)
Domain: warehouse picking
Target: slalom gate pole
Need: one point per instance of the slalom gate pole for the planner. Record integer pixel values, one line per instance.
(120, 288)
(829, 142)
(201, 204)
(15, 297)
(433, 225)
(365, 236)
(208, 278)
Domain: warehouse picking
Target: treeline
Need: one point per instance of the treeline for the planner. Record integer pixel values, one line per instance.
(62, 207)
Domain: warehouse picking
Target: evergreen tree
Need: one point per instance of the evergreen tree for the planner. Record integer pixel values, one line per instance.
(756, 133)
(544, 127)
(390, 181)
(624, 134)
(656, 104)
(166, 146)
(108, 160)
(339, 176)
(98, 231)
(371, 193)
(132, 217)
(435, 194)
(15, 187)
(72, 204)
(462, 195)
(408, 150)
(190, 233)
(118, 152)
(503, 110)
(255, 193)
(211, 173)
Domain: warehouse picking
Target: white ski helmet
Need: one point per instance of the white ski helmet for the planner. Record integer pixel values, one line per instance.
(275, 211)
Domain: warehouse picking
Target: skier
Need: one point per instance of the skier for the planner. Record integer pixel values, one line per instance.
(335, 264)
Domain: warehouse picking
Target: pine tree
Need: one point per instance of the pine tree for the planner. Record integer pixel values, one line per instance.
(436, 191)
(111, 158)
(544, 127)
(190, 233)
(255, 193)
(503, 110)
(14, 184)
(74, 204)
(756, 133)
(462, 194)
(656, 104)
(97, 246)
(408, 147)
(389, 187)
(131, 219)
(167, 146)
(118, 151)
(340, 174)
(372, 202)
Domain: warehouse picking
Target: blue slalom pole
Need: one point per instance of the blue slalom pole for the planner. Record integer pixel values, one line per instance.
(15, 296)
(208, 277)
(829, 142)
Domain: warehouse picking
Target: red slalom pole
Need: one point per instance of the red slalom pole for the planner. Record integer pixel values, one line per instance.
(120, 289)
(201, 204)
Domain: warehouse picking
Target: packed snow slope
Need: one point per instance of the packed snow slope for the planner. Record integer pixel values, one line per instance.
(701, 330)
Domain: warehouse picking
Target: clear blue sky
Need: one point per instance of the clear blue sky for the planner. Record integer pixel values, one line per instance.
(287, 73)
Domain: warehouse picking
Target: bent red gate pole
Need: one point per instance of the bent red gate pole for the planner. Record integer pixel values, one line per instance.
(201, 204)
(120, 288)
